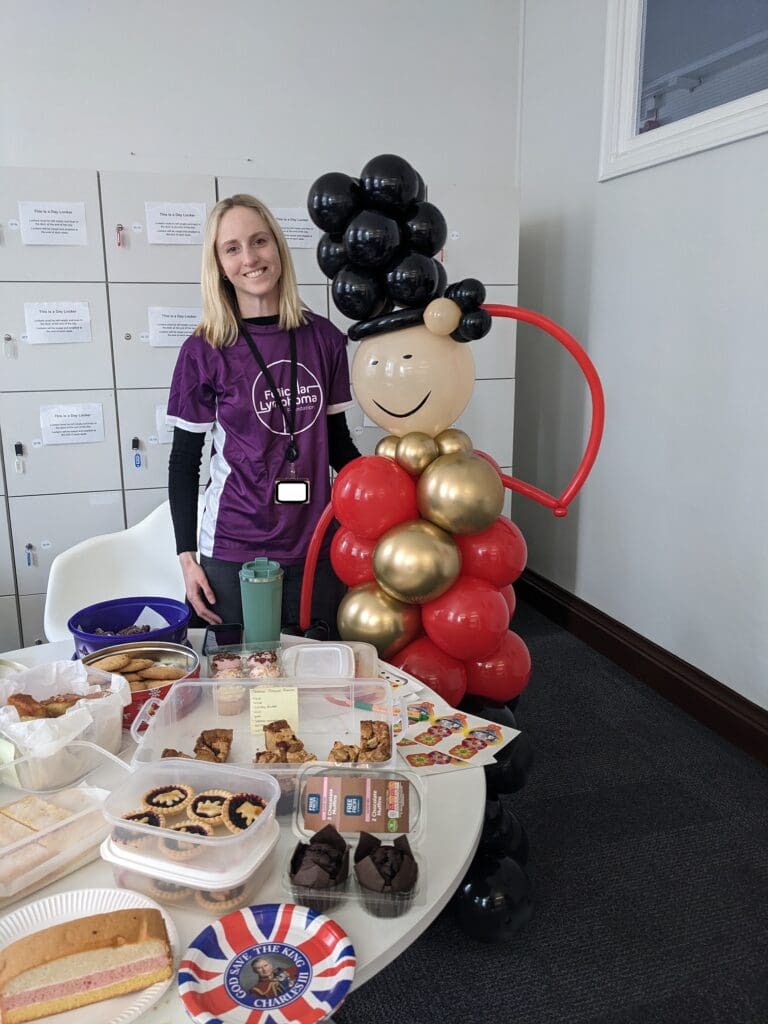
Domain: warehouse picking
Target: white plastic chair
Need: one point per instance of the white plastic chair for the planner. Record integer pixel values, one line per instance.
(139, 561)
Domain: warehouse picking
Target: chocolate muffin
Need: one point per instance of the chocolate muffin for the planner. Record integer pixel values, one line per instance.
(319, 870)
(386, 874)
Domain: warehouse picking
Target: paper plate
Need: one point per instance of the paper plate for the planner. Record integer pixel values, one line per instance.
(306, 965)
(67, 906)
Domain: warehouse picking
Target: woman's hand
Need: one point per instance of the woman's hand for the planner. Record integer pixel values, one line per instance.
(198, 588)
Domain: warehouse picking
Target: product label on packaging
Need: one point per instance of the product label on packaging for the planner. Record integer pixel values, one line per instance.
(354, 802)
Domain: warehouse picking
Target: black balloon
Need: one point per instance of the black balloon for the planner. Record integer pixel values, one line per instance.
(503, 833)
(331, 254)
(421, 188)
(442, 277)
(509, 772)
(389, 183)
(425, 229)
(495, 711)
(358, 294)
(332, 200)
(371, 239)
(413, 281)
(494, 900)
(468, 294)
(473, 325)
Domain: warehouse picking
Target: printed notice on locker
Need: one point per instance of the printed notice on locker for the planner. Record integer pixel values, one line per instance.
(175, 223)
(49, 223)
(169, 326)
(72, 424)
(299, 231)
(57, 323)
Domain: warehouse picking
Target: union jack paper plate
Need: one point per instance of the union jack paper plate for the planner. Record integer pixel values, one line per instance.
(275, 963)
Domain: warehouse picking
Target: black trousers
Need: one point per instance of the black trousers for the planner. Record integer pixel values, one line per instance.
(327, 592)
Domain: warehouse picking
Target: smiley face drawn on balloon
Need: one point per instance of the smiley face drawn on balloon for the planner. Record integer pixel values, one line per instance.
(413, 379)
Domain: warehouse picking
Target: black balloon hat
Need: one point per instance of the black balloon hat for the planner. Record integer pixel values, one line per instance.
(379, 246)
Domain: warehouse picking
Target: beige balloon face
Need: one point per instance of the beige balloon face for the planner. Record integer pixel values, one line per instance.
(413, 380)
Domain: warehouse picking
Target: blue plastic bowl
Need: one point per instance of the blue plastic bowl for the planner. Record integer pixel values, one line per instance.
(124, 611)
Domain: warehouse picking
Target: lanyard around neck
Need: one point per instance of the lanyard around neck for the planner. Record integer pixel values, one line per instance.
(288, 409)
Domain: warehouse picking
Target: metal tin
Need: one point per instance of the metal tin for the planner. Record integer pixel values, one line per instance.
(163, 652)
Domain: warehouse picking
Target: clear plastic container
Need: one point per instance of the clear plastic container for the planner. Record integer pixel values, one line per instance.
(319, 660)
(45, 836)
(180, 885)
(232, 661)
(215, 855)
(323, 712)
(386, 803)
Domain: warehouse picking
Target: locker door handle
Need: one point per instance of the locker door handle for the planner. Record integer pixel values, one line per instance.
(8, 345)
(119, 229)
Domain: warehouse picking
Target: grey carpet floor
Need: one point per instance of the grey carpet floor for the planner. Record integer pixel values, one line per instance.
(649, 861)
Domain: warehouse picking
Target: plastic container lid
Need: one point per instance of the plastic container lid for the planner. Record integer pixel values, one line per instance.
(183, 874)
(320, 660)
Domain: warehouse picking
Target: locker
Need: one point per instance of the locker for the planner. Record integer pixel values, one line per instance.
(483, 226)
(138, 363)
(7, 582)
(131, 256)
(32, 609)
(284, 194)
(142, 419)
(58, 468)
(44, 525)
(138, 504)
(54, 190)
(10, 634)
(27, 366)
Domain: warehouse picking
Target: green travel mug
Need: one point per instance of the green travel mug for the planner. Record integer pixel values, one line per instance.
(261, 588)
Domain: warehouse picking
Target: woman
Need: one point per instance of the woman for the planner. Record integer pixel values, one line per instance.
(270, 380)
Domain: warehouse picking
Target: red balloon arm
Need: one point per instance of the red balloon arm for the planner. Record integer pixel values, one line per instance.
(310, 564)
(559, 505)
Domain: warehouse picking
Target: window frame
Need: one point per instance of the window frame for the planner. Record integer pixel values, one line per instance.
(622, 150)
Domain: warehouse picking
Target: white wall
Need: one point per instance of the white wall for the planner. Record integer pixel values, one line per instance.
(284, 90)
(662, 275)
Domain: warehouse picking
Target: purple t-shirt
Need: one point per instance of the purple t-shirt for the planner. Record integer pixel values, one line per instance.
(224, 390)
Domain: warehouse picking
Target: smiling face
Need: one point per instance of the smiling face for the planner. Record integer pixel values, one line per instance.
(413, 380)
(249, 258)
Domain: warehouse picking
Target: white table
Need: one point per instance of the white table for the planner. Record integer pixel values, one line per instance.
(454, 805)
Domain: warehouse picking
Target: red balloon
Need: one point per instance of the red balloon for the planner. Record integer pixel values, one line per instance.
(444, 674)
(467, 621)
(502, 675)
(489, 458)
(497, 554)
(372, 494)
(352, 557)
(510, 597)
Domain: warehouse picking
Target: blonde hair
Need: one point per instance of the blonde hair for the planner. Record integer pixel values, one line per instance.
(219, 325)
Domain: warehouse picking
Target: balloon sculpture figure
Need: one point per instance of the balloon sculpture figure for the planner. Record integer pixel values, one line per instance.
(423, 547)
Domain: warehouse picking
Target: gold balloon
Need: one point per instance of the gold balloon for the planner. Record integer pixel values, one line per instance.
(369, 614)
(387, 446)
(415, 451)
(461, 493)
(453, 440)
(416, 562)
(442, 316)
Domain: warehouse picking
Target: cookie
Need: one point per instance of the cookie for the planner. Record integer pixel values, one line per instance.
(169, 800)
(112, 663)
(177, 849)
(138, 665)
(208, 806)
(163, 672)
(241, 810)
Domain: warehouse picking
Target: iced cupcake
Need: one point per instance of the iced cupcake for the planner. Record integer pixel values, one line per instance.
(386, 874)
(225, 666)
(262, 665)
(319, 869)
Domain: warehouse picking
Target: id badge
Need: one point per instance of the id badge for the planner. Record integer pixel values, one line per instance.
(292, 492)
